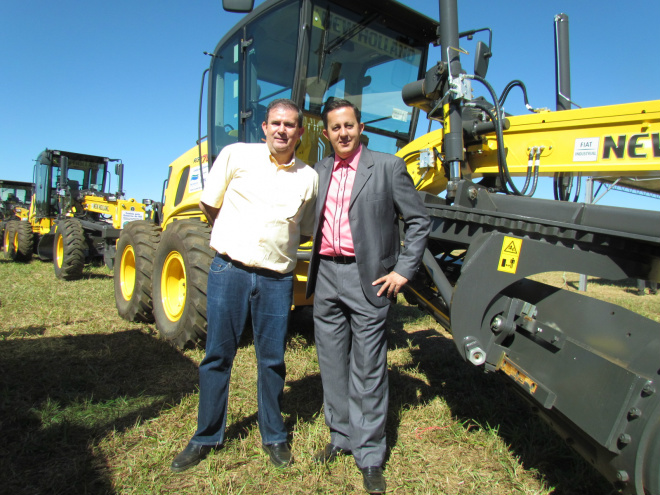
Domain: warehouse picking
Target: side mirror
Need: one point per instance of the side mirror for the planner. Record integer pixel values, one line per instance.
(481, 58)
(119, 169)
(239, 6)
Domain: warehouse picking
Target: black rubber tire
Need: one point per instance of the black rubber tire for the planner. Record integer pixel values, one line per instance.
(24, 245)
(8, 239)
(180, 306)
(133, 270)
(69, 248)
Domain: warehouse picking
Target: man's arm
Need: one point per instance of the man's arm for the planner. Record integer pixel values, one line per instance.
(417, 228)
(307, 220)
(216, 183)
(210, 212)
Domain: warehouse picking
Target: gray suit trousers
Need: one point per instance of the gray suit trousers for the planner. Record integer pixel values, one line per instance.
(352, 352)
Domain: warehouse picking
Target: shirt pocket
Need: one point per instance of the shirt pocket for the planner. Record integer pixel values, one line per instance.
(291, 210)
(285, 206)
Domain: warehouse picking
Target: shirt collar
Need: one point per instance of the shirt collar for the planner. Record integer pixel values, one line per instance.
(275, 162)
(352, 161)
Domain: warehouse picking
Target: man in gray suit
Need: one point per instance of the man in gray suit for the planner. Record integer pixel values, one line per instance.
(358, 267)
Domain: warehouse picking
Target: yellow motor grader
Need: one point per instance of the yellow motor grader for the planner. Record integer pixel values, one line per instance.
(588, 367)
(15, 199)
(72, 218)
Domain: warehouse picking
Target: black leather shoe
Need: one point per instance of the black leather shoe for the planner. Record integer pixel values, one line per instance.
(279, 453)
(329, 453)
(374, 481)
(192, 455)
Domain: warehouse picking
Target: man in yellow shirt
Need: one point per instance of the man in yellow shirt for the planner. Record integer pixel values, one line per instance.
(259, 198)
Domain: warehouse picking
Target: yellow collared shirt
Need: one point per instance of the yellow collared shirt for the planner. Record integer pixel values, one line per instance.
(264, 206)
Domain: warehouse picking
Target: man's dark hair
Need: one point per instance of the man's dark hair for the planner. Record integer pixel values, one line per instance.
(285, 103)
(335, 103)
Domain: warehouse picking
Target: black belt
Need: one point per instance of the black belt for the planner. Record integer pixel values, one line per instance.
(250, 269)
(342, 260)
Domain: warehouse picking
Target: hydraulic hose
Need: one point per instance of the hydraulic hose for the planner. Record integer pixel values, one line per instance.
(512, 85)
(505, 176)
(563, 193)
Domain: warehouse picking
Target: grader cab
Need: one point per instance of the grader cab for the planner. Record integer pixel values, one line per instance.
(15, 197)
(333, 50)
(73, 216)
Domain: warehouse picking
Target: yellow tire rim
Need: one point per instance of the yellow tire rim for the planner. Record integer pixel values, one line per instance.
(127, 273)
(173, 286)
(59, 251)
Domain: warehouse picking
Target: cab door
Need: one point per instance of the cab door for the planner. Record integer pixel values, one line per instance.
(270, 63)
(251, 67)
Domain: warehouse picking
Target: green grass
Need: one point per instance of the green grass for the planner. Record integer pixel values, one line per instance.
(90, 403)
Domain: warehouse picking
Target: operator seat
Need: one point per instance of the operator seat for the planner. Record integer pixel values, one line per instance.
(74, 188)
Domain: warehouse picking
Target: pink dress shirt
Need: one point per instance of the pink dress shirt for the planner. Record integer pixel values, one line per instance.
(337, 239)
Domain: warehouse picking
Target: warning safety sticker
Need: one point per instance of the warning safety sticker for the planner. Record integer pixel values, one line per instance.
(510, 254)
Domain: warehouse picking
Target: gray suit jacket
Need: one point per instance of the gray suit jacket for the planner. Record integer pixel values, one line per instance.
(382, 191)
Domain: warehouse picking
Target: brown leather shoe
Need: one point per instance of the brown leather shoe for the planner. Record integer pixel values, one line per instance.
(373, 479)
(279, 453)
(192, 455)
(329, 453)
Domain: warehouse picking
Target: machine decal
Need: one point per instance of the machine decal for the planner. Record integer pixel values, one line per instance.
(586, 150)
(633, 145)
(340, 26)
(399, 114)
(195, 183)
(131, 216)
(99, 207)
(510, 254)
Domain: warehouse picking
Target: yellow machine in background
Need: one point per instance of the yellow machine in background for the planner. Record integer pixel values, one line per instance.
(72, 217)
(15, 197)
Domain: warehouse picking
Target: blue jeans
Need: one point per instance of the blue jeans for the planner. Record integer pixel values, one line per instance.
(233, 290)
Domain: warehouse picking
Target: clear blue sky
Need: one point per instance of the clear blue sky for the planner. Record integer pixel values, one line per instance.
(121, 78)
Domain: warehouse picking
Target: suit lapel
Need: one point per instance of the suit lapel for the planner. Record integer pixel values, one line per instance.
(362, 175)
(325, 173)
